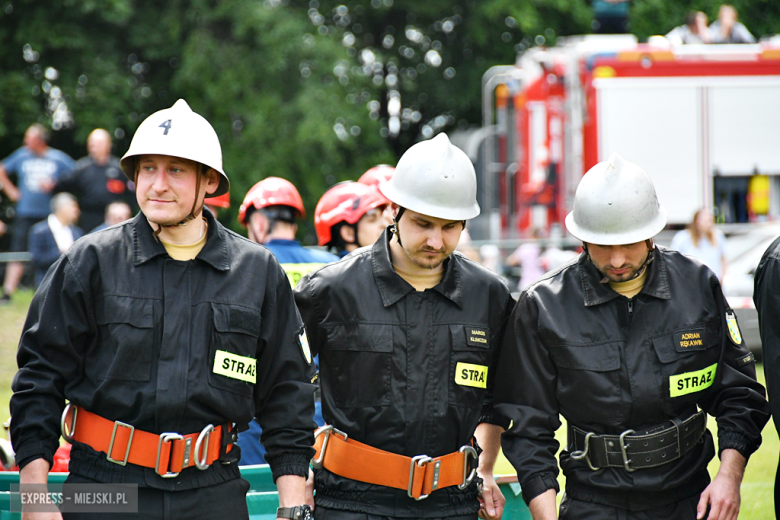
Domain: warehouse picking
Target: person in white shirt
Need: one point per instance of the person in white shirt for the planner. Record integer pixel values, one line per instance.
(704, 242)
(53, 236)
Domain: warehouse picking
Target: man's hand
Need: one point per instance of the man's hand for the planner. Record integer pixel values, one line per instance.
(491, 500)
(722, 495)
(37, 472)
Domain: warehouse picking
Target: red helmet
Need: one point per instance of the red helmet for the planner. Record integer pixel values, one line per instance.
(271, 191)
(344, 202)
(377, 175)
(222, 201)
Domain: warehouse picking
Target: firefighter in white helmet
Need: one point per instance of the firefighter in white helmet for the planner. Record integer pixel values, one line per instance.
(167, 334)
(633, 345)
(407, 332)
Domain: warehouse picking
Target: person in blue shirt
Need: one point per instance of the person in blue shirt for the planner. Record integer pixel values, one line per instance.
(269, 212)
(37, 167)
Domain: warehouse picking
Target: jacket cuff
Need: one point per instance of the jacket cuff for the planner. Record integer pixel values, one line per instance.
(491, 416)
(537, 484)
(736, 441)
(291, 463)
(33, 450)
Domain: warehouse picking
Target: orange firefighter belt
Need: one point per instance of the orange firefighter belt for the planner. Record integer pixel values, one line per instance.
(167, 453)
(419, 476)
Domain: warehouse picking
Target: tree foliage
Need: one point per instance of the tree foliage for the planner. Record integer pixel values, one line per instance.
(315, 91)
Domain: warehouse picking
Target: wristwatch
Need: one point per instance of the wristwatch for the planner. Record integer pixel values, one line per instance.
(296, 513)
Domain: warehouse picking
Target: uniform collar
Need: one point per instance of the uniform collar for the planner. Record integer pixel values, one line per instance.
(596, 293)
(282, 242)
(392, 287)
(145, 246)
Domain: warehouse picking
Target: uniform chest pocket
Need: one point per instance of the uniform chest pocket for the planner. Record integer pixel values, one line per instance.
(356, 364)
(126, 346)
(233, 351)
(688, 362)
(469, 365)
(589, 382)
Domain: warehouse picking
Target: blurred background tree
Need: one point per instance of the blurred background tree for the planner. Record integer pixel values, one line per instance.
(314, 91)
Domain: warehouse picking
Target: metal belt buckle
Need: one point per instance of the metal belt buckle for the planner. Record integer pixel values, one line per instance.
(129, 442)
(165, 438)
(316, 463)
(68, 433)
(419, 460)
(202, 464)
(468, 452)
(583, 454)
(623, 448)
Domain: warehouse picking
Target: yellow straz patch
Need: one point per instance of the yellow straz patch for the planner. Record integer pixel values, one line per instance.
(689, 382)
(235, 367)
(471, 375)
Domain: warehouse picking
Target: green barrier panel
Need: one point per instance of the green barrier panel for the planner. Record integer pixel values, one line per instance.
(262, 498)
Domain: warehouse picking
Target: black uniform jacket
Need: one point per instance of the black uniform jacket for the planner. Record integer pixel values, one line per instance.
(577, 348)
(123, 330)
(767, 299)
(404, 371)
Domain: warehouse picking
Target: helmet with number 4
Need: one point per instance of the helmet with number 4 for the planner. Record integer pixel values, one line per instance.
(177, 132)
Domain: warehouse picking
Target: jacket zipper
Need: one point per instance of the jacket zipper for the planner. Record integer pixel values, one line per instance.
(630, 308)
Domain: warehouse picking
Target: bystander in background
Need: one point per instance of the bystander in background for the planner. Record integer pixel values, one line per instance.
(703, 241)
(37, 167)
(53, 236)
(726, 29)
(693, 31)
(97, 180)
(116, 213)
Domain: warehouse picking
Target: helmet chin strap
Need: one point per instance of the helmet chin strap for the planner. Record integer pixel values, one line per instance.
(650, 246)
(394, 229)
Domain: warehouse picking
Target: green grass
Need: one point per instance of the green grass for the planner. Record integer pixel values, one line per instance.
(757, 487)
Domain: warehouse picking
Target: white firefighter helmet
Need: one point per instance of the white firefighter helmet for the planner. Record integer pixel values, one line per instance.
(615, 204)
(436, 179)
(178, 132)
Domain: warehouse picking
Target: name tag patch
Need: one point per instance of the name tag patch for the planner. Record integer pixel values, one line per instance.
(690, 382)
(688, 340)
(467, 374)
(746, 360)
(235, 366)
(477, 337)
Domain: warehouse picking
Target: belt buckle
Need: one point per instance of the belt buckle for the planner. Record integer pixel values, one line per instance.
(202, 464)
(583, 454)
(468, 452)
(419, 460)
(129, 442)
(68, 435)
(623, 448)
(316, 463)
(165, 438)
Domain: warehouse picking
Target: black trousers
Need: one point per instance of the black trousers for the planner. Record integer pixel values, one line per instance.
(219, 502)
(578, 510)
(324, 513)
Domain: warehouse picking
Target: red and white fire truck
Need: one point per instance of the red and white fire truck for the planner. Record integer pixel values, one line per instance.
(702, 120)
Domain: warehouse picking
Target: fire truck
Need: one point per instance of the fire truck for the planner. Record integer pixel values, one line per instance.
(702, 120)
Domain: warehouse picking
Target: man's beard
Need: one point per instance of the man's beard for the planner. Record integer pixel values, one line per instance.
(427, 263)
